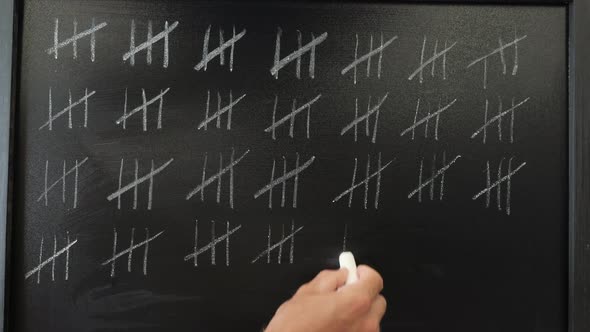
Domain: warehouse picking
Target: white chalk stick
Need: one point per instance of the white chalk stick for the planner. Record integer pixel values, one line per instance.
(346, 260)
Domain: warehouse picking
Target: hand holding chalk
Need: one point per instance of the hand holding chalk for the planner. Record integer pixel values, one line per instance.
(347, 261)
(326, 304)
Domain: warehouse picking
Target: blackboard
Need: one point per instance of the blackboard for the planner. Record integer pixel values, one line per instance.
(453, 257)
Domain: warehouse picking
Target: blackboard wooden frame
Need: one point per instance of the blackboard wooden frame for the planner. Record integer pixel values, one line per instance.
(8, 52)
(579, 147)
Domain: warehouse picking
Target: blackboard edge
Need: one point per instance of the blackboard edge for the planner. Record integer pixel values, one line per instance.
(579, 80)
(8, 66)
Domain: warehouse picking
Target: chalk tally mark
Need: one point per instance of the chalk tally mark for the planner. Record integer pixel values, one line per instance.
(371, 110)
(378, 51)
(436, 54)
(217, 177)
(220, 50)
(129, 251)
(278, 246)
(344, 237)
(498, 119)
(148, 44)
(290, 118)
(133, 185)
(500, 178)
(51, 117)
(501, 51)
(143, 108)
(216, 116)
(435, 175)
(296, 55)
(434, 116)
(65, 251)
(90, 32)
(211, 246)
(62, 179)
(364, 183)
(282, 180)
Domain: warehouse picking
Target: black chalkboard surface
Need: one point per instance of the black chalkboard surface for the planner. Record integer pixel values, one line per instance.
(185, 166)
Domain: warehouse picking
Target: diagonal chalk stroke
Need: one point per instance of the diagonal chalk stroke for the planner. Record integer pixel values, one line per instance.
(498, 117)
(278, 244)
(284, 177)
(498, 182)
(364, 182)
(292, 115)
(130, 249)
(438, 173)
(280, 63)
(497, 50)
(427, 118)
(138, 181)
(143, 106)
(148, 43)
(423, 65)
(51, 259)
(53, 117)
(211, 179)
(212, 244)
(219, 51)
(367, 56)
(61, 179)
(364, 116)
(72, 40)
(220, 111)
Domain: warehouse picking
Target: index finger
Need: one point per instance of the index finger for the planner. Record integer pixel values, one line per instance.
(328, 281)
